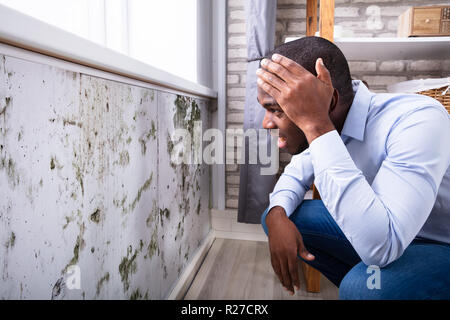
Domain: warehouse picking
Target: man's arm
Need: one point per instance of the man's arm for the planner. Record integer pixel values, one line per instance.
(381, 220)
(293, 184)
(285, 241)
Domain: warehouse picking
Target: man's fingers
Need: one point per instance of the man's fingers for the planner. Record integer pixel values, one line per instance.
(302, 252)
(285, 273)
(289, 64)
(268, 88)
(293, 270)
(277, 69)
(322, 72)
(281, 274)
(272, 79)
(276, 268)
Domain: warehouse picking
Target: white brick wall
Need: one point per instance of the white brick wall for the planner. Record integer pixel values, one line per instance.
(391, 66)
(362, 66)
(291, 21)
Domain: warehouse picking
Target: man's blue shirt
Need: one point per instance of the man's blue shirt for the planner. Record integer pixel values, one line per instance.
(385, 180)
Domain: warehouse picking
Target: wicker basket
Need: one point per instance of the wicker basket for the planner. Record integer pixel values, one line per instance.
(441, 94)
(438, 89)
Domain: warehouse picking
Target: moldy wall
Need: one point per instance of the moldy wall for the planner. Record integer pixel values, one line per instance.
(86, 179)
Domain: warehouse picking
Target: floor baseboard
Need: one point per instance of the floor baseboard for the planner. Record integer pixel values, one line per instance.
(188, 275)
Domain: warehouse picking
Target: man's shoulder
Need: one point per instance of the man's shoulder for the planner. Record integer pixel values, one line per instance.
(398, 105)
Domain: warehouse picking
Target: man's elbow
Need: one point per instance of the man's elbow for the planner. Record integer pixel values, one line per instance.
(380, 262)
(382, 255)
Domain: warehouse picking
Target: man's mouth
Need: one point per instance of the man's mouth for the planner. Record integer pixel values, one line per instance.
(282, 142)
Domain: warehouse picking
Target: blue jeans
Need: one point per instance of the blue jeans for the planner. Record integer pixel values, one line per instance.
(422, 272)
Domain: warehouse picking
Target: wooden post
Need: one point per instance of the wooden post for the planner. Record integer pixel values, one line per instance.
(312, 278)
(311, 17)
(326, 28)
(326, 20)
(316, 194)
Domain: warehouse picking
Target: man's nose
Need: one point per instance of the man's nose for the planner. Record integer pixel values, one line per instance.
(268, 122)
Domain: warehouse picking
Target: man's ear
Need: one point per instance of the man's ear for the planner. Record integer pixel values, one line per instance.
(334, 101)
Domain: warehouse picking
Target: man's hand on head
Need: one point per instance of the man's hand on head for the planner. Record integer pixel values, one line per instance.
(285, 245)
(304, 98)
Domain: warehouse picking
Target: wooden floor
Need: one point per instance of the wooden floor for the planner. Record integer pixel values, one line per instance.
(241, 270)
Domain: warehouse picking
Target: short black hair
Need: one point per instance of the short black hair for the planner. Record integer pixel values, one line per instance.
(305, 51)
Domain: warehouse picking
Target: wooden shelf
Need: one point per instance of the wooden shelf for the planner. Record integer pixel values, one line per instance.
(424, 48)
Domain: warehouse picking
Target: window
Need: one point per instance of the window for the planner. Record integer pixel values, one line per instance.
(165, 32)
(160, 33)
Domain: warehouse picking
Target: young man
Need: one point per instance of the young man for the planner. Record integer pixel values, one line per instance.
(381, 163)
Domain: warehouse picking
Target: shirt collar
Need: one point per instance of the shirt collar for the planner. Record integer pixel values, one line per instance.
(355, 123)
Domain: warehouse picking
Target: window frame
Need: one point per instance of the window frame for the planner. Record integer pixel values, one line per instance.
(35, 35)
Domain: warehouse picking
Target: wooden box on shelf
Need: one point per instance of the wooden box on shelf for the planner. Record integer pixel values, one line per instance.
(425, 21)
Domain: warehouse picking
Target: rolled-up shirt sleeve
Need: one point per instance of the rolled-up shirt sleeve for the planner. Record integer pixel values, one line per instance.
(292, 185)
(380, 220)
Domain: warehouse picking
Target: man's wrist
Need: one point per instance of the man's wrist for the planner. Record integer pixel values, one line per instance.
(275, 214)
(313, 130)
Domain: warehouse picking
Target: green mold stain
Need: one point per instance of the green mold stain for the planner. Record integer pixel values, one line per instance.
(180, 231)
(100, 283)
(152, 132)
(52, 163)
(199, 207)
(181, 105)
(11, 241)
(10, 167)
(95, 217)
(165, 274)
(72, 123)
(164, 213)
(144, 187)
(124, 158)
(127, 267)
(136, 295)
(146, 137)
(68, 220)
(170, 146)
(7, 104)
(184, 119)
(152, 247)
(153, 215)
(121, 204)
(186, 255)
(197, 186)
(79, 245)
(79, 177)
(151, 93)
(129, 98)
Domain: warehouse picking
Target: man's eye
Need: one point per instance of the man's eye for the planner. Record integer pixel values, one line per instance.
(277, 113)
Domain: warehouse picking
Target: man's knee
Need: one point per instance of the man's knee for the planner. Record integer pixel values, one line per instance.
(360, 283)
